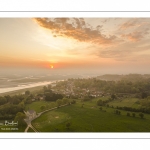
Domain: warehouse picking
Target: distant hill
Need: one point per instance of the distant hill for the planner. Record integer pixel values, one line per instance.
(129, 77)
(110, 77)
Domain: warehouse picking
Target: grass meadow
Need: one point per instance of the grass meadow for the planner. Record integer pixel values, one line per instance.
(89, 118)
(128, 102)
(37, 105)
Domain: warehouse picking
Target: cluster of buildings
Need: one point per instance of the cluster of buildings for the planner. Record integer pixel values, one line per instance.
(71, 90)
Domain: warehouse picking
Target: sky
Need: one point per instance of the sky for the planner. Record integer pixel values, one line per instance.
(100, 45)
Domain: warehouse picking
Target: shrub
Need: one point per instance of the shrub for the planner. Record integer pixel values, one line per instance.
(141, 115)
(128, 114)
(133, 114)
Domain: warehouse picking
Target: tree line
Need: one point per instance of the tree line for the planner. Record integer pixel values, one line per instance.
(124, 85)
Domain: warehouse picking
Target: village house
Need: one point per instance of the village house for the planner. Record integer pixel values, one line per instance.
(30, 114)
(33, 99)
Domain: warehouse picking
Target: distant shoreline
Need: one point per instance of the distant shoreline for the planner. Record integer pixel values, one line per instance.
(11, 89)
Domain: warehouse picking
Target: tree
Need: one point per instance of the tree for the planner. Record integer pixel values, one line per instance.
(53, 104)
(117, 112)
(49, 86)
(65, 100)
(28, 100)
(3, 100)
(133, 114)
(42, 107)
(73, 102)
(44, 88)
(59, 102)
(128, 114)
(141, 115)
(50, 96)
(144, 95)
(20, 118)
(8, 98)
(27, 92)
(21, 104)
(113, 96)
(15, 109)
(100, 102)
(15, 99)
(68, 124)
(82, 105)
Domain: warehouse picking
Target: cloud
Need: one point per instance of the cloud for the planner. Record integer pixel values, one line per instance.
(128, 44)
(115, 54)
(135, 23)
(134, 29)
(104, 21)
(129, 24)
(77, 29)
(136, 35)
(128, 51)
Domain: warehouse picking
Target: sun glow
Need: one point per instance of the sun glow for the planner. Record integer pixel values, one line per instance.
(51, 66)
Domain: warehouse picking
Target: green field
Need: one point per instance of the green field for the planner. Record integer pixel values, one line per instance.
(128, 102)
(90, 119)
(86, 116)
(37, 105)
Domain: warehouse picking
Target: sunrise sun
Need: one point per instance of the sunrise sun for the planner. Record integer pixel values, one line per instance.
(51, 66)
